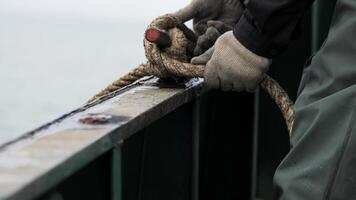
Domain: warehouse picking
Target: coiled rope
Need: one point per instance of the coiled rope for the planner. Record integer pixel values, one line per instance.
(173, 62)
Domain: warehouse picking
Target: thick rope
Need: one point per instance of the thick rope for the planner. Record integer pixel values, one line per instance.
(173, 61)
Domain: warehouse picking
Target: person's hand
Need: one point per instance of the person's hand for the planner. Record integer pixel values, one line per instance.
(211, 18)
(232, 67)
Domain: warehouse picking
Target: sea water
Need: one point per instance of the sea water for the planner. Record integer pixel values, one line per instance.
(56, 54)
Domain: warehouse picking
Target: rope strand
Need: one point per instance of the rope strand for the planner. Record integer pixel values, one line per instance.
(173, 61)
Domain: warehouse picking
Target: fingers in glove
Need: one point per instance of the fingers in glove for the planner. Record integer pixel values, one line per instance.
(200, 10)
(204, 58)
(211, 77)
(238, 86)
(252, 90)
(214, 30)
(206, 10)
(232, 11)
(253, 85)
(206, 41)
(226, 11)
(228, 81)
(200, 28)
(203, 43)
(220, 26)
(186, 13)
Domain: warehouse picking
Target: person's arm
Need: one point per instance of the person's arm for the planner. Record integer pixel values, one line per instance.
(267, 26)
(239, 59)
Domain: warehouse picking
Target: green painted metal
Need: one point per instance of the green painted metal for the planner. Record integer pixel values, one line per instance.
(157, 161)
(66, 154)
(116, 171)
(196, 131)
(225, 145)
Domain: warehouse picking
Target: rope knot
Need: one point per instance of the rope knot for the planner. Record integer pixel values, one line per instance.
(173, 59)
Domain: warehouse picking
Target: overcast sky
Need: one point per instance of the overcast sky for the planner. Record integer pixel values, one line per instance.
(56, 54)
(92, 8)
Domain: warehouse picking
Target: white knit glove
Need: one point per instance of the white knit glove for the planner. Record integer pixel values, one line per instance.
(232, 67)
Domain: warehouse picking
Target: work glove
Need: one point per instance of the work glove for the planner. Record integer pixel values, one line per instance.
(211, 18)
(232, 67)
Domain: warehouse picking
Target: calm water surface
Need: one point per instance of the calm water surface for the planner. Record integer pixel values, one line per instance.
(55, 54)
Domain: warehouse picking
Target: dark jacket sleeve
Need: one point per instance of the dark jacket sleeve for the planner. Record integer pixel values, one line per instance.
(267, 26)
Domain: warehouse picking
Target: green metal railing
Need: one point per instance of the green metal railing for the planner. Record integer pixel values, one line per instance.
(154, 141)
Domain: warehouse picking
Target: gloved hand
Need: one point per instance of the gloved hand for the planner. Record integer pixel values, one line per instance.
(232, 67)
(211, 18)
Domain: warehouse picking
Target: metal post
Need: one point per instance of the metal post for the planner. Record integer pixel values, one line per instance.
(195, 149)
(254, 159)
(116, 182)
